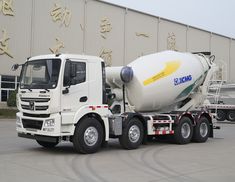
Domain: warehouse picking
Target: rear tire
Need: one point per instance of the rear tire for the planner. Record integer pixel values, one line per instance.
(132, 135)
(221, 115)
(88, 136)
(201, 130)
(47, 144)
(183, 131)
(231, 115)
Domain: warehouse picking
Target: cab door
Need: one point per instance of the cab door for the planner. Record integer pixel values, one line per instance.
(74, 89)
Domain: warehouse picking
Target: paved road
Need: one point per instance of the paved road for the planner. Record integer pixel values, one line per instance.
(22, 160)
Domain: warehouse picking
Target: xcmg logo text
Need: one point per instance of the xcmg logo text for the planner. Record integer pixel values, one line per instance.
(183, 79)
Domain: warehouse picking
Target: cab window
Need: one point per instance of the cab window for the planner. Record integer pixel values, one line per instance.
(80, 73)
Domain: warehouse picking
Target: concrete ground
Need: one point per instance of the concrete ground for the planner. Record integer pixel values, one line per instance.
(22, 160)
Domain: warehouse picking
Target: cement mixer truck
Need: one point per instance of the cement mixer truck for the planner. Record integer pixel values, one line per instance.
(75, 98)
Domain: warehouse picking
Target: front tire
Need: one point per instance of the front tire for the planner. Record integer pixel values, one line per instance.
(88, 136)
(132, 135)
(201, 130)
(47, 144)
(183, 131)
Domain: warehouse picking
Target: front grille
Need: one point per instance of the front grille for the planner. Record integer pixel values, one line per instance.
(41, 108)
(36, 115)
(36, 104)
(23, 99)
(25, 107)
(32, 124)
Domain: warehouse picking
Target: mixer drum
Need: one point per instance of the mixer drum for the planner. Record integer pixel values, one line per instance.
(163, 79)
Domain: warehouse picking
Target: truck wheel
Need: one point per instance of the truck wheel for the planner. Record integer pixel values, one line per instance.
(201, 130)
(183, 131)
(231, 115)
(47, 144)
(88, 136)
(132, 135)
(221, 115)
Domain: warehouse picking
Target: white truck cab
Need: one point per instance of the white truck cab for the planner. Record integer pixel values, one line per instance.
(58, 91)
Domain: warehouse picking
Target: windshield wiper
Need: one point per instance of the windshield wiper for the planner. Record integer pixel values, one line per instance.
(46, 89)
(30, 87)
(24, 86)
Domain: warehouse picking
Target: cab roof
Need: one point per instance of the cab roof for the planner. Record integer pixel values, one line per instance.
(66, 56)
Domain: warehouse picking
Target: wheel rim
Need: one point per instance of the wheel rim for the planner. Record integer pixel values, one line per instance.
(185, 130)
(203, 129)
(91, 136)
(134, 133)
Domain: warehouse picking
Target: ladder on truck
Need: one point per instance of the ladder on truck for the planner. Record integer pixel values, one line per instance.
(214, 87)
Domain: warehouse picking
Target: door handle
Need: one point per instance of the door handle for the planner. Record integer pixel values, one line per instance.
(65, 91)
(83, 99)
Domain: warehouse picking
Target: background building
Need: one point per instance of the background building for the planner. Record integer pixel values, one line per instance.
(117, 34)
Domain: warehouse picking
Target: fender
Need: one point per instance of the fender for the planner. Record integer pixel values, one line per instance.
(186, 114)
(129, 115)
(100, 110)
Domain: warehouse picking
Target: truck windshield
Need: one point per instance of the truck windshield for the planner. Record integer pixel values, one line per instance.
(40, 74)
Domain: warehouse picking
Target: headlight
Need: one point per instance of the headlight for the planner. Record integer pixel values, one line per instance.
(17, 101)
(18, 122)
(49, 123)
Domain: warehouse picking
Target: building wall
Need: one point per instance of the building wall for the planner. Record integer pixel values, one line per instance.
(104, 32)
(116, 34)
(46, 32)
(140, 35)
(198, 40)
(171, 36)
(232, 61)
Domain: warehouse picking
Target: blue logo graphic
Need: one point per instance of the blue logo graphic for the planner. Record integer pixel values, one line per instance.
(183, 79)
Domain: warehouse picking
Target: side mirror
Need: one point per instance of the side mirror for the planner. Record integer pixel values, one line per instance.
(15, 67)
(73, 70)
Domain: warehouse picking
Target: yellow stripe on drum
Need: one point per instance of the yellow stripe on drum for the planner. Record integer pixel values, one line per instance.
(171, 67)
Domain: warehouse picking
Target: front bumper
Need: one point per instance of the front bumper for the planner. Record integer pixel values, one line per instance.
(37, 126)
(39, 137)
